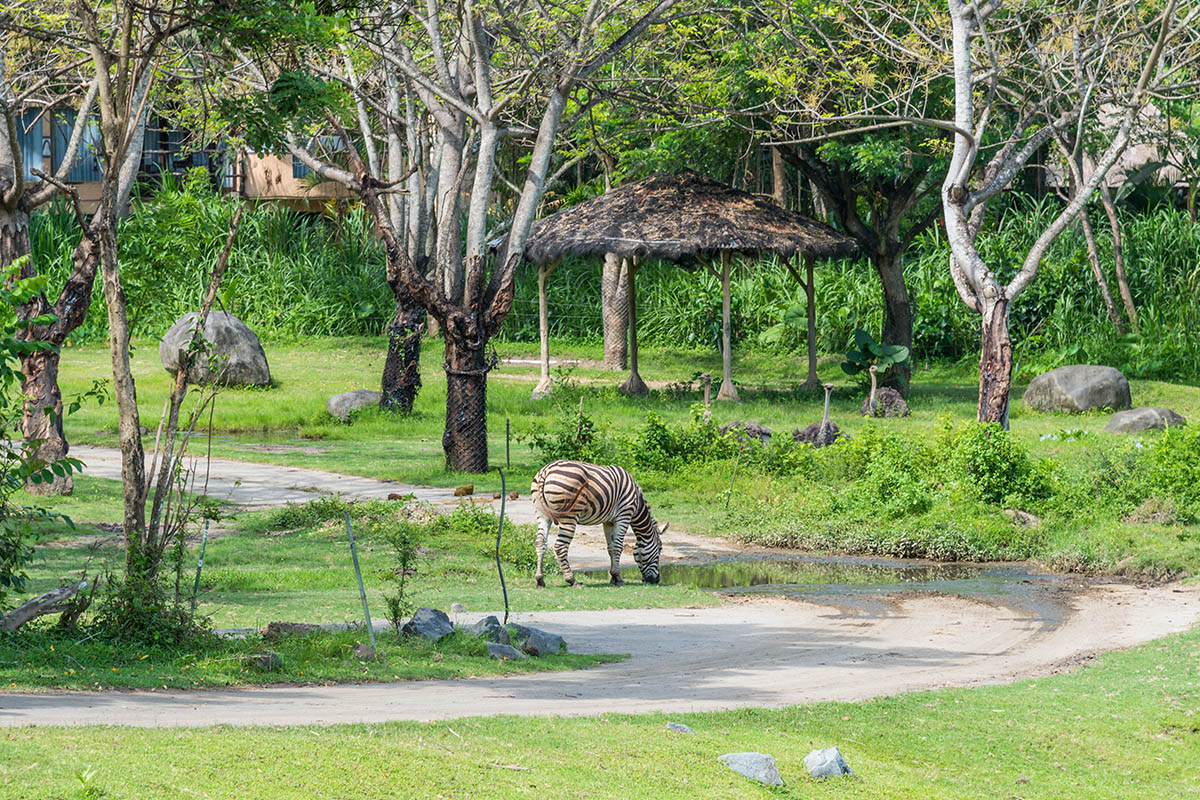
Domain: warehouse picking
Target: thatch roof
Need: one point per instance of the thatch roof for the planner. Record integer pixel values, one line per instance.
(680, 217)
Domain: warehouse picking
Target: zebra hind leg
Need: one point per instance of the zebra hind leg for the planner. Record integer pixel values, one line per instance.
(614, 532)
(543, 537)
(566, 532)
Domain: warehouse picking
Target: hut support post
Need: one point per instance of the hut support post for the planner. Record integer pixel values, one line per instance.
(727, 392)
(633, 385)
(811, 384)
(544, 386)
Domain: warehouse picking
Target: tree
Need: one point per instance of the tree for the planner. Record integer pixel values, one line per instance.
(459, 79)
(1020, 77)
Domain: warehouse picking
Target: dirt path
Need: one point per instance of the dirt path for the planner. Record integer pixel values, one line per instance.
(265, 485)
(750, 653)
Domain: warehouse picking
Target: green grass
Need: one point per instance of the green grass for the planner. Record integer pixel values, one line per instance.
(1126, 727)
(41, 661)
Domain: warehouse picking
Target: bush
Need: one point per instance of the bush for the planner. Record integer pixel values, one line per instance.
(663, 447)
(997, 467)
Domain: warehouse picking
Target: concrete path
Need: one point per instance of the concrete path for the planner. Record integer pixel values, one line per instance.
(266, 485)
(749, 654)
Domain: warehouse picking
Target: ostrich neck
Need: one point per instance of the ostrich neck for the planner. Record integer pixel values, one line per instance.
(826, 419)
(872, 391)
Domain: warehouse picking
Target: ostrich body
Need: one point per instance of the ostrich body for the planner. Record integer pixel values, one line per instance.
(884, 401)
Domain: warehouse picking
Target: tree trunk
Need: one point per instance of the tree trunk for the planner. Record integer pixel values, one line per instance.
(40, 387)
(727, 391)
(897, 313)
(544, 386)
(614, 307)
(633, 385)
(402, 367)
(133, 457)
(1114, 222)
(811, 383)
(779, 188)
(14, 235)
(995, 363)
(465, 439)
(1094, 257)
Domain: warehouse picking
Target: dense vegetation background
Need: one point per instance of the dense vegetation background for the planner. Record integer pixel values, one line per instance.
(295, 275)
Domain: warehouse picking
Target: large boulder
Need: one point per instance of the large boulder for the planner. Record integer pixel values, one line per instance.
(535, 642)
(1077, 388)
(489, 629)
(240, 355)
(827, 763)
(342, 405)
(1136, 420)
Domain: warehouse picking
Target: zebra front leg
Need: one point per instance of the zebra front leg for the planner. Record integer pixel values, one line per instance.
(543, 537)
(566, 532)
(614, 532)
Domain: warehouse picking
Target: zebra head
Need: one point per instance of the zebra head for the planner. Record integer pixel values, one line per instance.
(648, 557)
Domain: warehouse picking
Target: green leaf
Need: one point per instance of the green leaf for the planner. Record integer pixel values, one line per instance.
(796, 316)
(863, 339)
(773, 334)
(850, 368)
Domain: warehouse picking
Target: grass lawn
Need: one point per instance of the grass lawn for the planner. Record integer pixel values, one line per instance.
(1127, 727)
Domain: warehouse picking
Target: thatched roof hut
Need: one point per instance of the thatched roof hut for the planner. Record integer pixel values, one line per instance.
(680, 217)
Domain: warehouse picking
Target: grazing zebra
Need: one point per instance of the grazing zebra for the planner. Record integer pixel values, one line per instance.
(570, 493)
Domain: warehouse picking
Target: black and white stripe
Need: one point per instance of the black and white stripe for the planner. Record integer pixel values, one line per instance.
(570, 493)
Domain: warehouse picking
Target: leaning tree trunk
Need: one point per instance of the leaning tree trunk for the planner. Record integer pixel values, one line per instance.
(897, 312)
(1114, 222)
(614, 306)
(402, 367)
(42, 420)
(544, 385)
(465, 438)
(995, 362)
(1089, 236)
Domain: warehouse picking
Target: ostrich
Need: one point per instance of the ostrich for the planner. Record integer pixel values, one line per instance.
(884, 401)
(819, 434)
(827, 433)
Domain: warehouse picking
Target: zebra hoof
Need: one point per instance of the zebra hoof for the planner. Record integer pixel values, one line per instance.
(653, 580)
(615, 580)
(541, 582)
(571, 582)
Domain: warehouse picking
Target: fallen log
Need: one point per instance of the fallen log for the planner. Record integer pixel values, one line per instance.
(51, 602)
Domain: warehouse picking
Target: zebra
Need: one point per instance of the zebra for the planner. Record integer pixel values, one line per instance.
(570, 493)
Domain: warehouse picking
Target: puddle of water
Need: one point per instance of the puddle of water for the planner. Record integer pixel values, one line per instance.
(865, 586)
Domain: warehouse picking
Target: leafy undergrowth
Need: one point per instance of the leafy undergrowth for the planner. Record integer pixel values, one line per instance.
(1124, 727)
(41, 659)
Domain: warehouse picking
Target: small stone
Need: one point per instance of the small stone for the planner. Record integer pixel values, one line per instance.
(513, 495)
(364, 652)
(679, 727)
(1136, 420)
(490, 630)
(267, 662)
(756, 766)
(428, 623)
(536, 642)
(827, 763)
(343, 405)
(458, 608)
(464, 491)
(504, 652)
(274, 631)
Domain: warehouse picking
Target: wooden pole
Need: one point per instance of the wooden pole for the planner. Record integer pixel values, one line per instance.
(544, 386)
(634, 385)
(727, 392)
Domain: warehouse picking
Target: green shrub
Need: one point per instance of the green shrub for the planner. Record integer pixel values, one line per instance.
(997, 466)
(663, 447)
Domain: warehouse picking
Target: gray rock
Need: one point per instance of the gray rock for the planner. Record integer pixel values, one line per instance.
(458, 608)
(428, 623)
(1136, 420)
(756, 766)
(827, 763)
(535, 642)
(267, 662)
(342, 405)
(241, 357)
(1078, 388)
(490, 630)
(504, 651)
(679, 727)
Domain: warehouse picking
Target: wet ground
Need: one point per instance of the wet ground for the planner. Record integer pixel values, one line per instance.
(870, 587)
